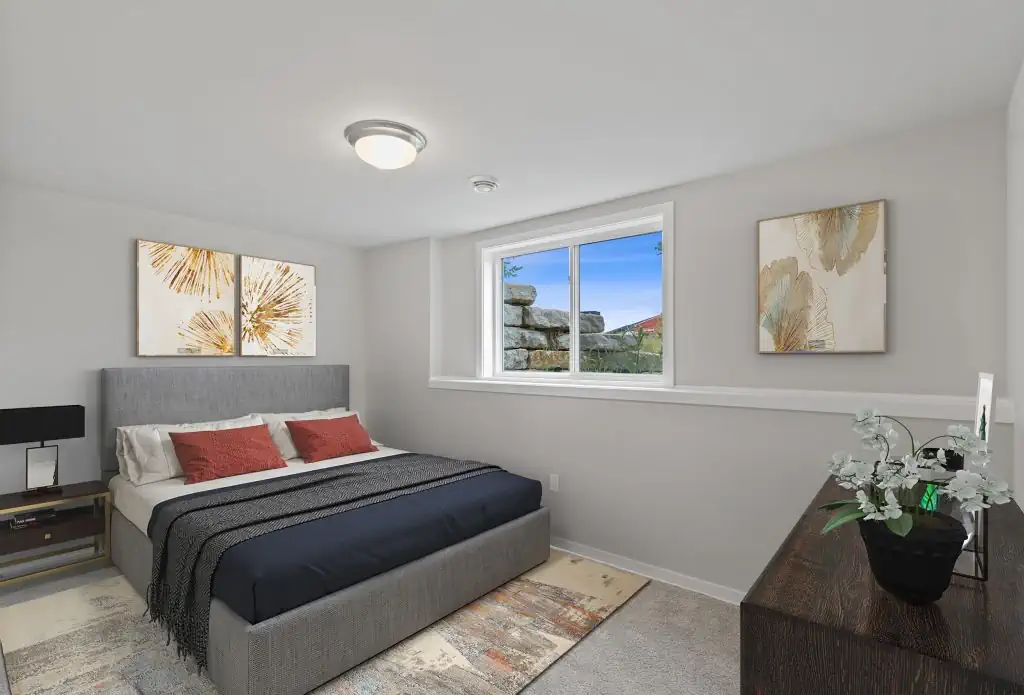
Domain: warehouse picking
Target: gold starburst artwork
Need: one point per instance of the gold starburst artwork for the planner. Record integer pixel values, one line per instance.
(277, 308)
(194, 271)
(209, 333)
(186, 300)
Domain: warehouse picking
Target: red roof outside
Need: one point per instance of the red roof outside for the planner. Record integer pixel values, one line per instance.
(651, 324)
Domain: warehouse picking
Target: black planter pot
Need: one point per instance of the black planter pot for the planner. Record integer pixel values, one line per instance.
(915, 568)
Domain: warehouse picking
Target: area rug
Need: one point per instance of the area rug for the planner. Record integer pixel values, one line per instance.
(94, 639)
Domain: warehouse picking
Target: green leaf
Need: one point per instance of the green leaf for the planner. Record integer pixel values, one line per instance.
(901, 526)
(836, 504)
(844, 515)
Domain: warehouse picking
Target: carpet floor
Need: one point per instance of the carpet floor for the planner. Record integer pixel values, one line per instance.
(664, 641)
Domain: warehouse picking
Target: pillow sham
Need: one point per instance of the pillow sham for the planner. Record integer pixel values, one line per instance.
(318, 440)
(213, 454)
(127, 461)
(279, 431)
(150, 454)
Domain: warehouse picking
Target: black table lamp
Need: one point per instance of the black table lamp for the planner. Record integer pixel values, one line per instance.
(47, 424)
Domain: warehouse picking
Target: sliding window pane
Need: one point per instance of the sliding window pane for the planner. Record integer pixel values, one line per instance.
(536, 317)
(620, 305)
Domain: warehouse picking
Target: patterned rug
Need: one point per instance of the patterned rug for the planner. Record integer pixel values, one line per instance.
(94, 639)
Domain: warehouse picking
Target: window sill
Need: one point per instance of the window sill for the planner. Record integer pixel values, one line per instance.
(940, 407)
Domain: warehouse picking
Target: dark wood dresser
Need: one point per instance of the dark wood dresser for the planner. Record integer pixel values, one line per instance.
(816, 623)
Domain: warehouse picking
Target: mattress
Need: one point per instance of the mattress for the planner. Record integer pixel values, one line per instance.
(269, 575)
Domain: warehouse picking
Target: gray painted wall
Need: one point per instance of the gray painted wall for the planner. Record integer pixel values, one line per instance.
(68, 287)
(702, 491)
(946, 190)
(1015, 261)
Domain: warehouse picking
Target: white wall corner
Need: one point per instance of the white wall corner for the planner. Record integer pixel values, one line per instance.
(1014, 260)
(434, 295)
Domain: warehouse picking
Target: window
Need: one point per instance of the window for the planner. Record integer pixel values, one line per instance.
(586, 302)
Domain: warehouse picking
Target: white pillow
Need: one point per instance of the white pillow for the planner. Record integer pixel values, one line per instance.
(126, 459)
(283, 438)
(151, 456)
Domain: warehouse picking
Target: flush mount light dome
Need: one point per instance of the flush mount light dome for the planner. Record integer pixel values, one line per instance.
(385, 144)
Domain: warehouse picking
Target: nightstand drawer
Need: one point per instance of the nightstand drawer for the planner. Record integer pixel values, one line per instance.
(68, 525)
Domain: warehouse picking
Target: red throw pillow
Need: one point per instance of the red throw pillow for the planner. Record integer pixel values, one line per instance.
(318, 440)
(213, 454)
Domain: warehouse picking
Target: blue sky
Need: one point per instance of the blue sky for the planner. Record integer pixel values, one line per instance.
(620, 278)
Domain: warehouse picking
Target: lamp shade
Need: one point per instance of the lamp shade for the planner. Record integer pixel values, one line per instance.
(49, 423)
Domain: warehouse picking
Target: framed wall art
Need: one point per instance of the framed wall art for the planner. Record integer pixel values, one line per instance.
(278, 308)
(185, 301)
(821, 283)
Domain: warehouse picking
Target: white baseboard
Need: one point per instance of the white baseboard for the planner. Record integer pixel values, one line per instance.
(717, 591)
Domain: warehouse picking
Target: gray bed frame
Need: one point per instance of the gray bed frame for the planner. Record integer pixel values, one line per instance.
(300, 650)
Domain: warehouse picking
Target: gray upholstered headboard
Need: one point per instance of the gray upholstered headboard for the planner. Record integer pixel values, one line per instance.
(171, 395)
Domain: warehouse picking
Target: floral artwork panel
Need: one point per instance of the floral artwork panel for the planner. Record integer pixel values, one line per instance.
(277, 308)
(186, 301)
(822, 281)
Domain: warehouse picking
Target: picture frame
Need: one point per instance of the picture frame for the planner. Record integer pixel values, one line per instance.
(984, 415)
(185, 301)
(822, 281)
(277, 308)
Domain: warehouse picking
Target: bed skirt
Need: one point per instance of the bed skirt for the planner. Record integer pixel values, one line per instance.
(300, 650)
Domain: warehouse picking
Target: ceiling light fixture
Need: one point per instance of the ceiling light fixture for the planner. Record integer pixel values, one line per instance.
(484, 184)
(385, 144)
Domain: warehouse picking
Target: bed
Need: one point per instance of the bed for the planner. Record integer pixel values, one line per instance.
(296, 607)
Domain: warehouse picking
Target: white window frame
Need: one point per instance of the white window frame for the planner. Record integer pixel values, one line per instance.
(490, 322)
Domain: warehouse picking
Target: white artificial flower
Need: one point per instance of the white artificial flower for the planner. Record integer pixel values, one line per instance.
(964, 485)
(960, 437)
(866, 505)
(866, 414)
(884, 469)
(866, 421)
(940, 455)
(840, 460)
(978, 457)
(891, 476)
(996, 491)
(875, 442)
(859, 472)
(892, 508)
(871, 512)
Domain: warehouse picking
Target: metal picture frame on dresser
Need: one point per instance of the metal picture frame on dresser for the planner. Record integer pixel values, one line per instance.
(300, 650)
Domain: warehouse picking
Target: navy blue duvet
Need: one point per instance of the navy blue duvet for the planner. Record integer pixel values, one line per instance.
(269, 575)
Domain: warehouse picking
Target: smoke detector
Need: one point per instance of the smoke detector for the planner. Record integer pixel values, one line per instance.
(484, 184)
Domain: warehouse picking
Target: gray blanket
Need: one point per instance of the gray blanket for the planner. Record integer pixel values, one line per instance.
(190, 534)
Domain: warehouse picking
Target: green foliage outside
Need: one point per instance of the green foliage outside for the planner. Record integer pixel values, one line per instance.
(637, 360)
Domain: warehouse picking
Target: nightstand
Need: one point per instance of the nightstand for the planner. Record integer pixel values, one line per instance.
(81, 512)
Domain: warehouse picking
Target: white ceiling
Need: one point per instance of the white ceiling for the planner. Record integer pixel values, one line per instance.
(233, 110)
